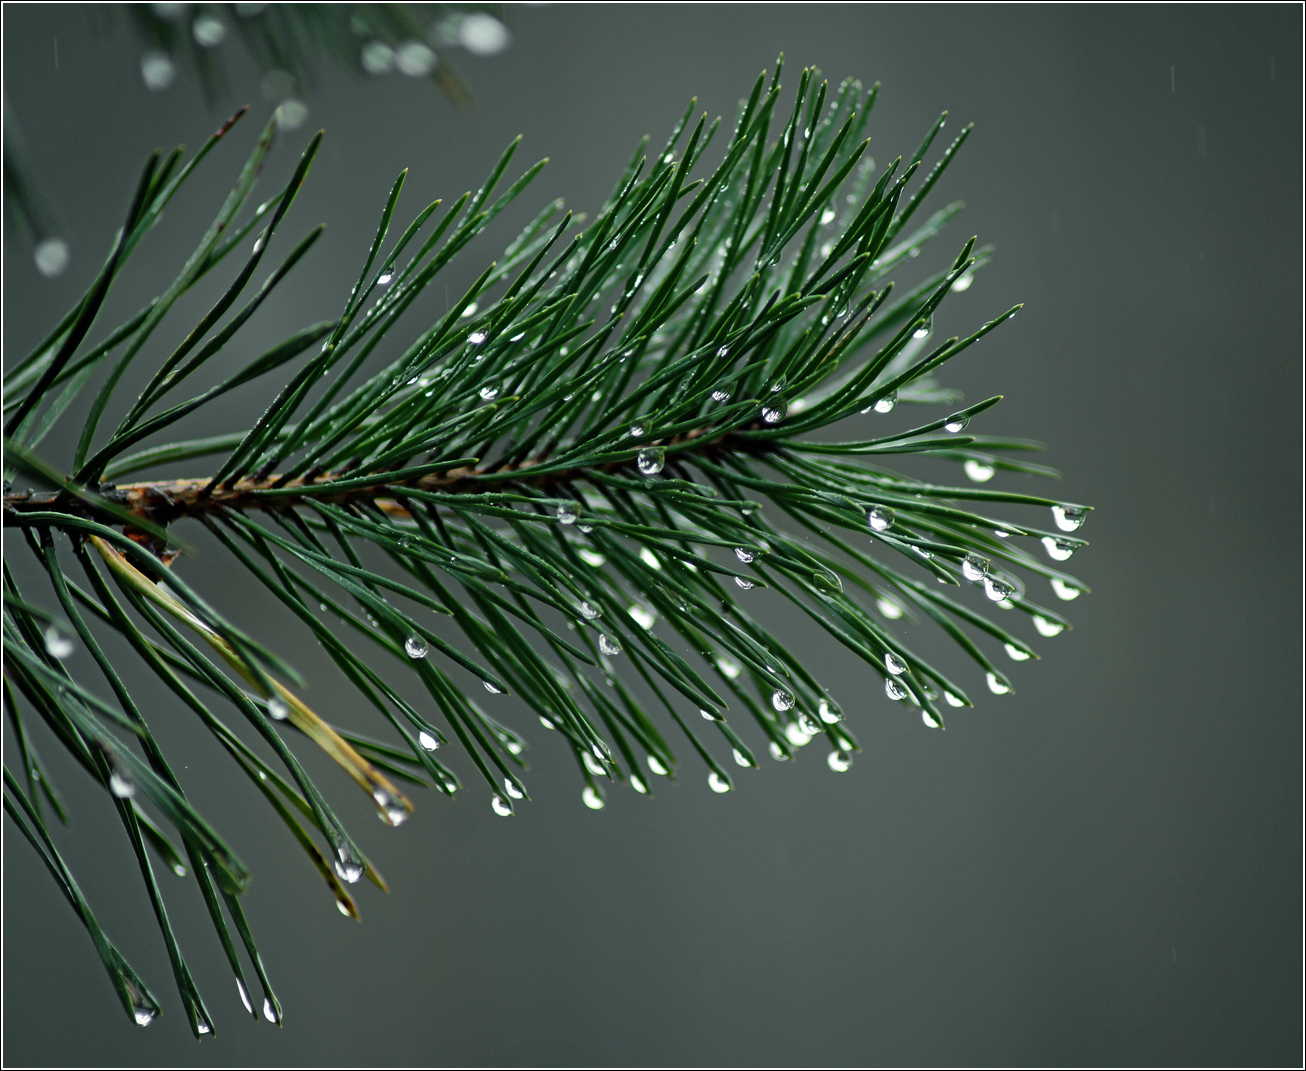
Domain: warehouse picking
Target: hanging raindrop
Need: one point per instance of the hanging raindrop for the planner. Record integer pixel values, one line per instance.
(655, 764)
(428, 742)
(593, 765)
(997, 686)
(974, 568)
(492, 688)
(924, 327)
(1046, 627)
(567, 513)
(744, 554)
(956, 424)
(930, 721)
(1064, 591)
(348, 866)
(415, 647)
(650, 460)
(500, 806)
(894, 664)
(609, 647)
(729, 667)
(592, 798)
(57, 643)
(782, 700)
(777, 752)
(997, 589)
(797, 736)
(978, 470)
(744, 583)
(839, 761)
(740, 758)
(888, 608)
(1059, 549)
(718, 783)
(885, 404)
(1068, 518)
(880, 518)
(953, 701)
(894, 688)
(1015, 653)
(391, 809)
(775, 412)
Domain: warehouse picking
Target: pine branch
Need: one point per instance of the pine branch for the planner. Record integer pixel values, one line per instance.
(585, 465)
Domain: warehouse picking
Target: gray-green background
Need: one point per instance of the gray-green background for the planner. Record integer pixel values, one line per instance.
(1103, 868)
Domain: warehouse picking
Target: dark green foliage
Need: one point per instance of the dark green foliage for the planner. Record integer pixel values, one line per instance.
(585, 464)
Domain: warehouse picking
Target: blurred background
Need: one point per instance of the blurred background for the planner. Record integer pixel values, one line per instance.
(1101, 868)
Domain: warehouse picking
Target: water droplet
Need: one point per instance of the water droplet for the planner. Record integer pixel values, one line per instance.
(157, 70)
(978, 470)
(740, 758)
(1058, 549)
(777, 752)
(953, 701)
(650, 460)
(1064, 590)
(1015, 653)
(592, 798)
(721, 394)
(586, 528)
(744, 554)
(270, 1013)
(1068, 518)
(514, 747)
(729, 667)
(208, 31)
(546, 722)
(593, 765)
(477, 338)
(143, 1013)
(428, 742)
(744, 583)
(709, 715)
(609, 647)
(392, 809)
(489, 392)
(120, 781)
(885, 404)
(829, 712)
(57, 643)
(839, 761)
(827, 217)
(888, 608)
(589, 612)
(930, 721)
(637, 430)
(827, 248)
(179, 870)
(592, 558)
(924, 327)
(518, 337)
(415, 647)
(568, 512)
(914, 252)
(718, 783)
(468, 312)
(956, 425)
(482, 34)
(894, 688)
(655, 764)
(511, 788)
(963, 282)
(1002, 533)
(781, 700)
(501, 806)
(997, 686)
(997, 589)
(244, 996)
(649, 558)
(974, 568)
(637, 783)
(880, 518)
(894, 664)
(342, 905)
(51, 257)
(809, 724)
(492, 688)
(775, 411)
(415, 59)
(377, 57)
(1046, 627)
(643, 616)
(797, 735)
(348, 866)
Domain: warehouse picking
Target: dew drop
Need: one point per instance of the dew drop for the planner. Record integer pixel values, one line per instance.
(1064, 590)
(592, 798)
(609, 647)
(492, 688)
(51, 257)
(880, 518)
(342, 906)
(974, 568)
(637, 431)
(477, 338)
(744, 583)
(718, 783)
(489, 392)
(997, 686)
(777, 752)
(729, 667)
(839, 761)
(809, 724)
(649, 558)
(589, 612)
(586, 528)
(1058, 549)
(643, 616)
(956, 425)
(894, 688)
(924, 327)
(952, 700)
(885, 404)
(827, 217)
(781, 700)
(1015, 653)
(963, 282)
(501, 806)
(978, 470)
(513, 791)
(121, 783)
(637, 783)
(797, 735)
(428, 742)
(744, 554)
(740, 758)
(592, 558)
(270, 1013)
(1068, 518)
(348, 866)
(593, 765)
(415, 647)
(894, 664)
(929, 719)
(392, 809)
(57, 643)
(546, 722)
(655, 764)
(775, 411)
(179, 870)
(1046, 627)
(243, 993)
(567, 513)
(888, 608)
(468, 312)
(997, 589)
(721, 394)
(650, 460)
(829, 712)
